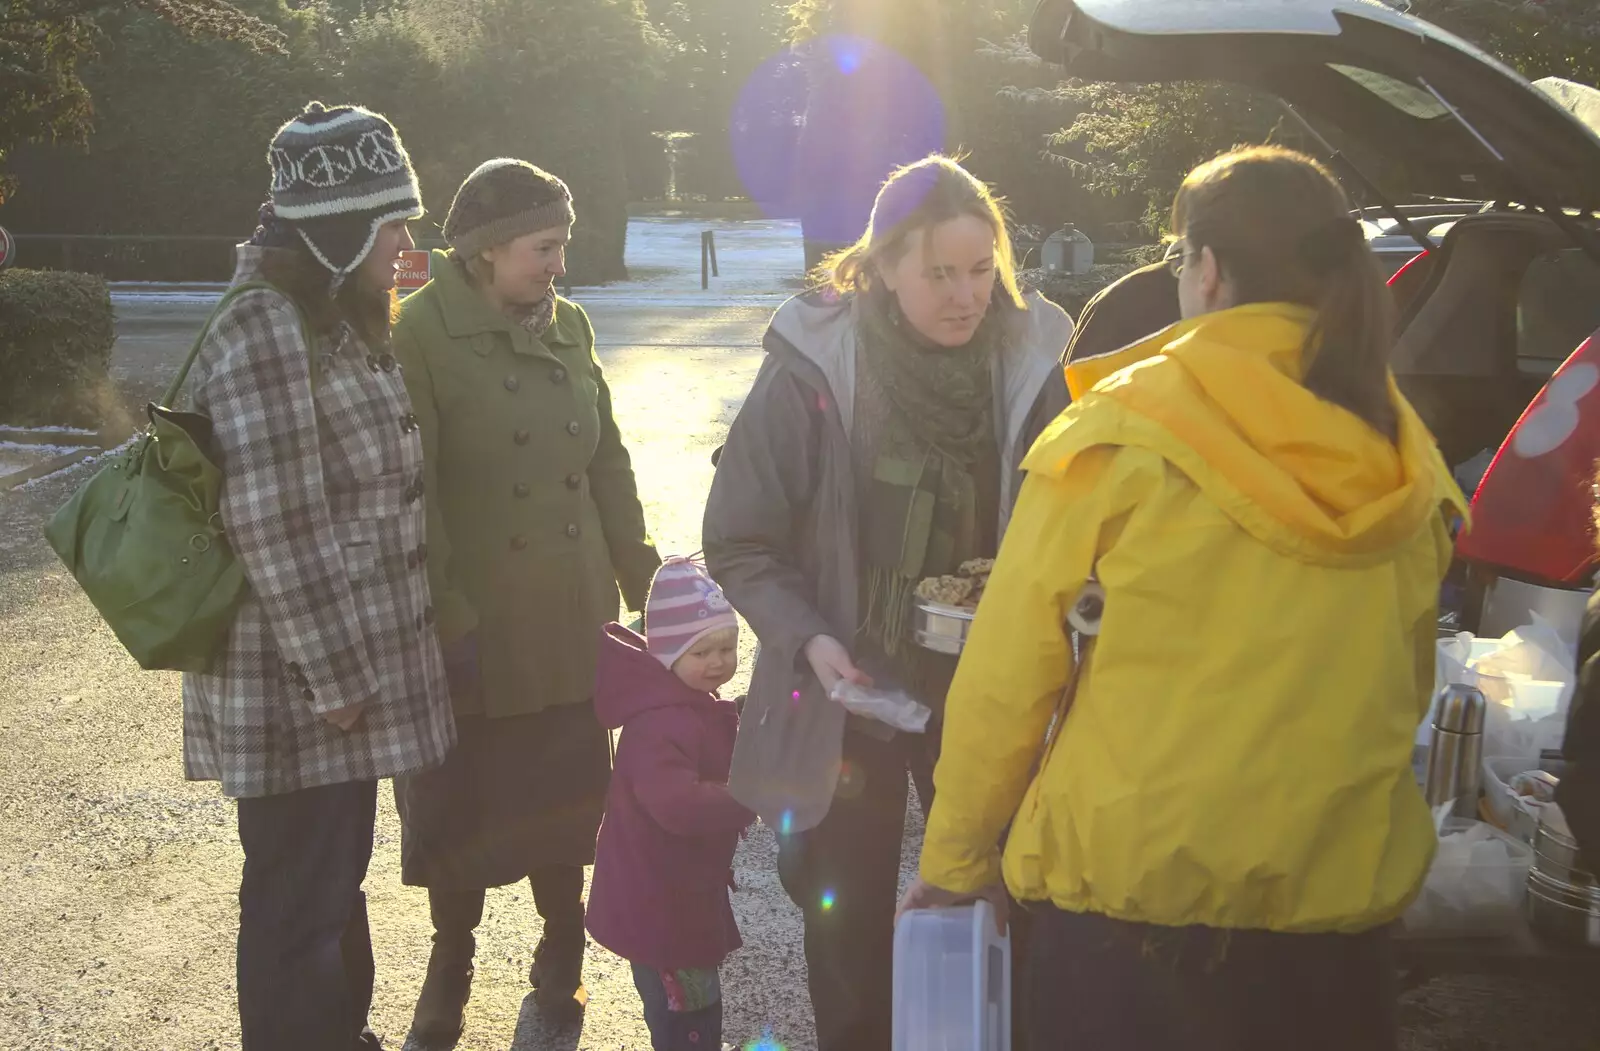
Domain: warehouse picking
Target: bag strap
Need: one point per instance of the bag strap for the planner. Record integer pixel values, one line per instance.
(227, 298)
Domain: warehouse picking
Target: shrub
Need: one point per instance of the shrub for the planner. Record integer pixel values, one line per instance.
(56, 331)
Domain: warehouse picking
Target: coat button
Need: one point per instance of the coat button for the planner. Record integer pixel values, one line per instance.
(408, 422)
(573, 531)
(512, 383)
(422, 554)
(520, 490)
(386, 362)
(308, 696)
(413, 560)
(574, 481)
(521, 437)
(427, 614)
(558, 376)
(574, 428)
(372, 362)
(519, 542)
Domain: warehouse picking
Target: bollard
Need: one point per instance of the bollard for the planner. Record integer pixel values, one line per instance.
(708, 258)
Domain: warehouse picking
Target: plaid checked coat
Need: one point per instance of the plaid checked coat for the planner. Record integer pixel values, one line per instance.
(323, 503)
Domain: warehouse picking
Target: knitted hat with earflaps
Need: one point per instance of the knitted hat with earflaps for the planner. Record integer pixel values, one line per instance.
(338, 175)
(503, 200)
(685, 605)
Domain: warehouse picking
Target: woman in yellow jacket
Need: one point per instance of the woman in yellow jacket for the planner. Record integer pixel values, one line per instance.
(1222, 821)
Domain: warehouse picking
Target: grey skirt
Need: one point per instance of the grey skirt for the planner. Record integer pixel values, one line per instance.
(515, 794)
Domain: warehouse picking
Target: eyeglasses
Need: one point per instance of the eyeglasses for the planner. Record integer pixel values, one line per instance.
(1174, 256)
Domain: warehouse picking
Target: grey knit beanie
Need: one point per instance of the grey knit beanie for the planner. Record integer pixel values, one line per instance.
(503, 200)
(338, 175)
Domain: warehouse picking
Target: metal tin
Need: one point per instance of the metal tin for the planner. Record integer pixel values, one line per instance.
(1562, 913)
(940, 628)
(1556, 857)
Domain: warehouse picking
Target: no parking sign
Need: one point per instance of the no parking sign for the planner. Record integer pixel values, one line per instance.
(413, 270)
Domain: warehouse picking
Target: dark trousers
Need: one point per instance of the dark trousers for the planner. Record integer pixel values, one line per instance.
(844, 875)
(557, 894)
(305, 955)
(1095, 982)
(690, 1029)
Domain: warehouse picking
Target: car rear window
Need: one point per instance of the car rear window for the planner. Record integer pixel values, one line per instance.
(1407, 98)
(1558, 307)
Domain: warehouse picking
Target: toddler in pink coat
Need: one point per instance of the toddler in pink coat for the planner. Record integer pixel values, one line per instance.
(663, 861)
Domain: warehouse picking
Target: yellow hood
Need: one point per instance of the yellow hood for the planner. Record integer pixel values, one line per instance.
(1219, 396)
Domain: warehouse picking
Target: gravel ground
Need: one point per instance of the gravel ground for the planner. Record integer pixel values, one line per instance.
(118, 879)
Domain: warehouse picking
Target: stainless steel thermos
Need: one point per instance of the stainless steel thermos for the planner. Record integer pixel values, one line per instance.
(1455, 752)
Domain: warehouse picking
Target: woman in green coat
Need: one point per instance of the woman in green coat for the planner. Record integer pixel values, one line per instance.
(533, 522)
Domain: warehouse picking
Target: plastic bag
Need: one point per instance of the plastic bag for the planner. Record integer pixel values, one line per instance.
(1475, 886)
(891, 707)
(1528, 678)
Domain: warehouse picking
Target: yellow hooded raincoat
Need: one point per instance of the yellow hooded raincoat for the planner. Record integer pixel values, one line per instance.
(1238, 750)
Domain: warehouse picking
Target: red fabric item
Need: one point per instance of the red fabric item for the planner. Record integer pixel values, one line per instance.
(1534, 511)
(660, 891)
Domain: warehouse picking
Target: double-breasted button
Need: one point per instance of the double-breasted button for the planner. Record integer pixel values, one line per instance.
(520, 490)
(427, 614)
(413, 492)
(521, 437)
(574, 481)
(386, 362)
(308, 695)
(574, 428)
(573, 531)
(422, 554)
(408, 422)
(512, 383)
(558, 376)
(372, 362)
(519, 542)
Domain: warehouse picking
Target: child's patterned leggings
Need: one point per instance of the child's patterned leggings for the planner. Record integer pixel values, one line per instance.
(682, 1008)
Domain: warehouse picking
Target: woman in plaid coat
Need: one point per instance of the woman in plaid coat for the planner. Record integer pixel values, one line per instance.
(332, 676)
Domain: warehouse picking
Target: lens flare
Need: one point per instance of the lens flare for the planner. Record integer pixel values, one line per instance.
(817, 129)
(766, 1043)
(786, 823)
(827, 900)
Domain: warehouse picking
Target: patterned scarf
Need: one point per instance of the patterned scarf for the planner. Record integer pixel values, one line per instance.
(538, 317)
(929, 466)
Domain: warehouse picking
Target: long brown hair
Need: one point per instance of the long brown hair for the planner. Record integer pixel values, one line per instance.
(1280, 227)
(916, 197)
(296, 273)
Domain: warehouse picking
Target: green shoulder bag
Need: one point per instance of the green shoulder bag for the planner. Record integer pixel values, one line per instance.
(144, 537)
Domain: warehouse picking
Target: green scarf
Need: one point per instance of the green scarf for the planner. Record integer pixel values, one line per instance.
(929, 462)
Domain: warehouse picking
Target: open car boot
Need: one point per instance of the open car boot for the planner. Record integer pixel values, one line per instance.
(1506, 299)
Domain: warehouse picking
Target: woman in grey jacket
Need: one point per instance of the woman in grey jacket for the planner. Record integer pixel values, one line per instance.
(880, 444)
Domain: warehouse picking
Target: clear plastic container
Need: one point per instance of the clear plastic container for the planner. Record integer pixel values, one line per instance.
(1474, 890)
(952, 981)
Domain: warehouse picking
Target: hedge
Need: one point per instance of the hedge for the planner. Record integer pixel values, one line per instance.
(56, 332)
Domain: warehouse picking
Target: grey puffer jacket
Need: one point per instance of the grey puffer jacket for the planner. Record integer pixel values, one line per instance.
(781, 524)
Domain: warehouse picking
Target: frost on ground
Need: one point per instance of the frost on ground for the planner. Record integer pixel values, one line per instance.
(20, 456)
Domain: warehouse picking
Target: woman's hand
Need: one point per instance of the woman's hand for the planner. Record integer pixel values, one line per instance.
(831, 662)
(922, 895)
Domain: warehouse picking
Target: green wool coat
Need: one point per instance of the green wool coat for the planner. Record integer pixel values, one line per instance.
(533, 514)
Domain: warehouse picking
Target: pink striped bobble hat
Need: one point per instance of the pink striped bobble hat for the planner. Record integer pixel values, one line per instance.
(685, 605)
